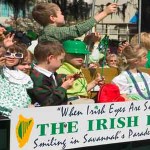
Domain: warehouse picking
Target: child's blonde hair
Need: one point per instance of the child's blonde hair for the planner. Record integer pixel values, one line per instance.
(42, 12)
(144, 39)
(133, 53)
(28, 57)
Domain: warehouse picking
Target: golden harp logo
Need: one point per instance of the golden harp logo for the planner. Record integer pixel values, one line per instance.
(23, 130)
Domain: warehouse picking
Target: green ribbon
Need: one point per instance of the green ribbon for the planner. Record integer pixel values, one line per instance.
(103, 46)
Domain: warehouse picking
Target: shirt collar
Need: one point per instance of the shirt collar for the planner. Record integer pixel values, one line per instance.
(43, 71)
(71, 67)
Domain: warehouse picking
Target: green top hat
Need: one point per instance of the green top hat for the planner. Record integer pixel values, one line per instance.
(75, 47)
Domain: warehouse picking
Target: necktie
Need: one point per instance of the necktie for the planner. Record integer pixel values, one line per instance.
(53, 76)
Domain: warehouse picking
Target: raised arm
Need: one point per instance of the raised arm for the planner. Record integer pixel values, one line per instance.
(108, 10)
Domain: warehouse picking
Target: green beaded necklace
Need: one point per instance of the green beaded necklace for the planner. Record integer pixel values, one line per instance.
(137, 87)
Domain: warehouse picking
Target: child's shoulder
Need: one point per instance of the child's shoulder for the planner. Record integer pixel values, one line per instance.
(146, 74)
(35, 74)
(25, 78)
(121, 76)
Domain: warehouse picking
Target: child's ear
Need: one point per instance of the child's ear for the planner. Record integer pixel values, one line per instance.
(49, 58)
(136, 62)
(52, 19)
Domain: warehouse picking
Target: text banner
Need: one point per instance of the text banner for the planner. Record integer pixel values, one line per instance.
(72, 126)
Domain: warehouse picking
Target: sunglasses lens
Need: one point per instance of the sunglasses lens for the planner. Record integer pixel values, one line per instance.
(7, 54)
(19, 55)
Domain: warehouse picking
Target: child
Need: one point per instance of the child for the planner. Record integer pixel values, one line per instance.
(26, 63)
(145, 42)
(13, 82)
(50, 17)
(133, 84)
(76, 51)
(49, 87)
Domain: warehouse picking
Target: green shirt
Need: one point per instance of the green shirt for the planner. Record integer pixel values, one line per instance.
(79, 87)
(148, 61)
(54, 33)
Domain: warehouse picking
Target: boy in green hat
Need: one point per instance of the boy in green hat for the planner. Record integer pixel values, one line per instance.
(74, 59)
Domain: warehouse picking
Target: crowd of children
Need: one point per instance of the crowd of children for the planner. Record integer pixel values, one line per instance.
(53, 74)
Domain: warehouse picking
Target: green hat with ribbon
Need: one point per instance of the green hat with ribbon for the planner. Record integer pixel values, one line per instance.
(75, 47)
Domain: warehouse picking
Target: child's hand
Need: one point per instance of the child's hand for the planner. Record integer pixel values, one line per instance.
(2, 61)
(8, 41)
(111, 8)
(93, 65)
(2, 51)
(99, 80)
(97, 37)
(68, 83)
(122, 46)
(2, 58)
(2, 30)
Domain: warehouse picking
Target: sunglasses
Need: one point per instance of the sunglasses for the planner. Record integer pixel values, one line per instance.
(15, 55)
